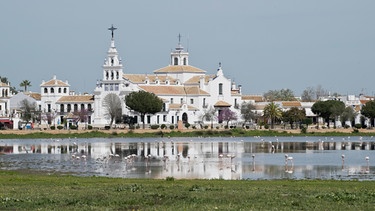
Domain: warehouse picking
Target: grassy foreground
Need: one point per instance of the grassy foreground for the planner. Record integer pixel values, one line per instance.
(31, 134)
(36, 191)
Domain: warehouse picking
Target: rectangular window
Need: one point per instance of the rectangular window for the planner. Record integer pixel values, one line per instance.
(191, 101)
(182, 100)
(116, 87)
(164, 118)
(106, 87)
(171, 100)
(220, 89)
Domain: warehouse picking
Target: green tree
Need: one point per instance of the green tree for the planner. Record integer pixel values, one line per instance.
(336, 108)
(273, 112)
(293, 116)
(144, 103)
(279, 95)
(368, 110)
(247, 112)
(25, 84)
(112, 107)
(329, 109)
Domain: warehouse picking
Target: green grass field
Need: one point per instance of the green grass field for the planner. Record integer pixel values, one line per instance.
(37, 191)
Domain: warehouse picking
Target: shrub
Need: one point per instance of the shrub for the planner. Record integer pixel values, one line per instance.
(60, 127)
(131, 127)
(358, 126)
(303, 129)
(355, 130)
(137, 127)
(89, 127)
(171, 127)
(364, 126)
(163, 126)
(206, 127)
(266, 126)
(194, 127)
(73, 127)
(187, 125)
(107, 127)
(169, 179)
(154, 127)
(226, 127)
(53, 127)
(346, 126)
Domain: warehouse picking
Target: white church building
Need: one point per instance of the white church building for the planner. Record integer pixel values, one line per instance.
(186, 91)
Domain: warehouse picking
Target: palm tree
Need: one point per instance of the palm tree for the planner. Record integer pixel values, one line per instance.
(25, 84)
(273, 112)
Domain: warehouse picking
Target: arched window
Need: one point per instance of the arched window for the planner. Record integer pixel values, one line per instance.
(64, 90)
(59, 90)
(175, 61)
(89, 107)
(220, 89)
(82, 107)
(45, 90)
(62, 108)
(185, 61)
(52, 90)
(75, 107)
(69, 108)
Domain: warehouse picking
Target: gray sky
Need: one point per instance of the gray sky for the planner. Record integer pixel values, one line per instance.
(262, 44)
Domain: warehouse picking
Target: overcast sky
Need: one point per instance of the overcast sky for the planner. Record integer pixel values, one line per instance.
(262, 44)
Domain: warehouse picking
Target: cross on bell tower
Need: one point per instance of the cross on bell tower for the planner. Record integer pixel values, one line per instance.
(112, 29)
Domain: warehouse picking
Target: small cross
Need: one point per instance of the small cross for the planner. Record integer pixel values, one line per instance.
(179, 38)
(112, 29)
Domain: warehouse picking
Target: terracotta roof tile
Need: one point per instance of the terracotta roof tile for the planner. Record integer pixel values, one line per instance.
(196, 79)
(54, 82)
(141, 78)
(36, 96)
(179, 69)
(3, 84)
(173, 90)
(179, 107)
(76, 99)
(221, 103)
(256, 98)
(291, 104)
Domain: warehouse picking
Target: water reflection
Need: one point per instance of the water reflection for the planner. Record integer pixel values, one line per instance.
(208, 158)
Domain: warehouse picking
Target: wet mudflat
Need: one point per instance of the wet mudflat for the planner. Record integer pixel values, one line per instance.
(250, 158)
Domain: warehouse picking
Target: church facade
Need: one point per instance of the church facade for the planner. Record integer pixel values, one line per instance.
(187, 91)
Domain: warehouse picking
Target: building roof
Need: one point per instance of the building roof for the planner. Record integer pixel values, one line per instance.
(256, 98)
(196, 79)
(179, 69)
(36, 96)
(179, 107)
(55, 82)
(141, 78)
(3, 84)
(221, 103)
(174, 90)
(76, 99)
(291, 104)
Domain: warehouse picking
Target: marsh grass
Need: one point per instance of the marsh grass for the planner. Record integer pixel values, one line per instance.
(37, 191)
(171, 133)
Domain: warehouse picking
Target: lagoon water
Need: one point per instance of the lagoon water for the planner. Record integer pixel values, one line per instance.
(203, 158)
